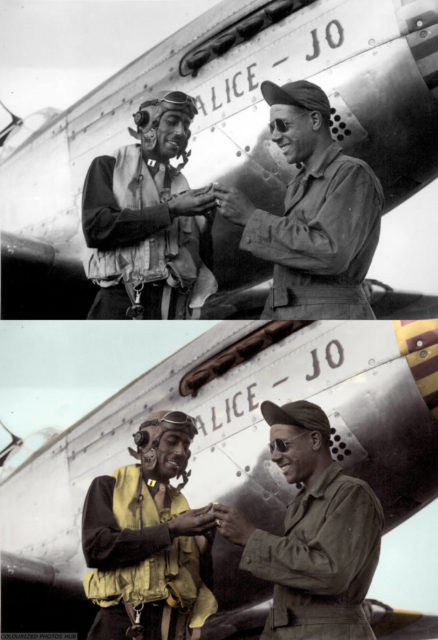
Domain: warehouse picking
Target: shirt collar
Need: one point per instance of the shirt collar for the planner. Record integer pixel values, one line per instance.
(327, 157)
(326, 478)
(154, 166)
(153, 485)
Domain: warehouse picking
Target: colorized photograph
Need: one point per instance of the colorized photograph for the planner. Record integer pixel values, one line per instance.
(223, 480)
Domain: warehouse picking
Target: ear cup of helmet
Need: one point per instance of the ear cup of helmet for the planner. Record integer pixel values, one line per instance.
(141, 438)
(142, 118)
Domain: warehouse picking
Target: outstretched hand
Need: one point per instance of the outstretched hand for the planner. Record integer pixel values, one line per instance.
(193, 522)
(205, 542)
(233, 525)
(193, 202)
(233, 204)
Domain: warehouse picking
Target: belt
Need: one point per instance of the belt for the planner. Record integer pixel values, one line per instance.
(324, 294)
(136, 630)
(317, 614)
(114, 282)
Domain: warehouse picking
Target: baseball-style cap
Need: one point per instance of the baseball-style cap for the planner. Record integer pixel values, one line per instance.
(301, 93)
(300, 414)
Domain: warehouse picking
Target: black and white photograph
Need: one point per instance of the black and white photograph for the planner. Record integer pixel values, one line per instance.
(269, 139)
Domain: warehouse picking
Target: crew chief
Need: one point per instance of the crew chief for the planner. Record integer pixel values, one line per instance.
(323, 564)
(323, 244)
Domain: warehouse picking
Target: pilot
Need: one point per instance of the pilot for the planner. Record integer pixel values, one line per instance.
(323, 564)
(323, 244)
(151, 552)
(149, 233)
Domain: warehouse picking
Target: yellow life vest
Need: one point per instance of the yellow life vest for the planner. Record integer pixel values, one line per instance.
(148, 580)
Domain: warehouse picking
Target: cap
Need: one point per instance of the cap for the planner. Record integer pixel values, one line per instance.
(301, 93)
(300, 414)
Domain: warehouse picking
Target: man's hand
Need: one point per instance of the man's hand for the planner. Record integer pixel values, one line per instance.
(233, 204)
(192, 523)
(234, 526)
(193, 202)
(205, 542)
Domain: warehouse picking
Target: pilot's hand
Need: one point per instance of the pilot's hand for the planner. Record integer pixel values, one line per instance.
(233, 525)
(193, 523)
(205, 542)
(233, 204)
(193, 202)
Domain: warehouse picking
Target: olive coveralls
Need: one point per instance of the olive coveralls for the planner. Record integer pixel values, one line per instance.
(323, 565)
(323, 244)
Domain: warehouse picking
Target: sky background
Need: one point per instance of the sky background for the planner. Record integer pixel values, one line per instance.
(53, 52)
(51, 373)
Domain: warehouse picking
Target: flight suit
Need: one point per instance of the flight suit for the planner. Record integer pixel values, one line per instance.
(131, 237)
(323, 565)
(139, 566)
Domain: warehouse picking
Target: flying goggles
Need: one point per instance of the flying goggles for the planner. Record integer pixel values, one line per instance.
(178, 419)
(172, 100)
(179, 98)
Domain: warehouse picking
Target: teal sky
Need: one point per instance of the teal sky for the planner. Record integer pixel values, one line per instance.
(53, 373)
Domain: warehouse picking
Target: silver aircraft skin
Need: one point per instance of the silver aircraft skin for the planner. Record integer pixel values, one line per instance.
(378, 383)
(377, 60)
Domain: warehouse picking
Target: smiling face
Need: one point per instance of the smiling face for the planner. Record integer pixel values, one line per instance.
(298, 141)
(298, 462)
(172, 134)
(172, 453)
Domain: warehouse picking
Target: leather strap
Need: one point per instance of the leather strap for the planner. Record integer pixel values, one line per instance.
(135, 631)
(160, 496)
(165, 302)
(181, 625)
(196, 313)
(130, 611)
(181, 305)
(165, 622)
(129, 287)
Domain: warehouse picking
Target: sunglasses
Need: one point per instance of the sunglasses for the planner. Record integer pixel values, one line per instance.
(283, 445)
(283, 125)
(279, 124)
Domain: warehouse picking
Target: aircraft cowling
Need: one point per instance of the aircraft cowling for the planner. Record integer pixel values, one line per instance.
(35, 598)
(37, 283)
